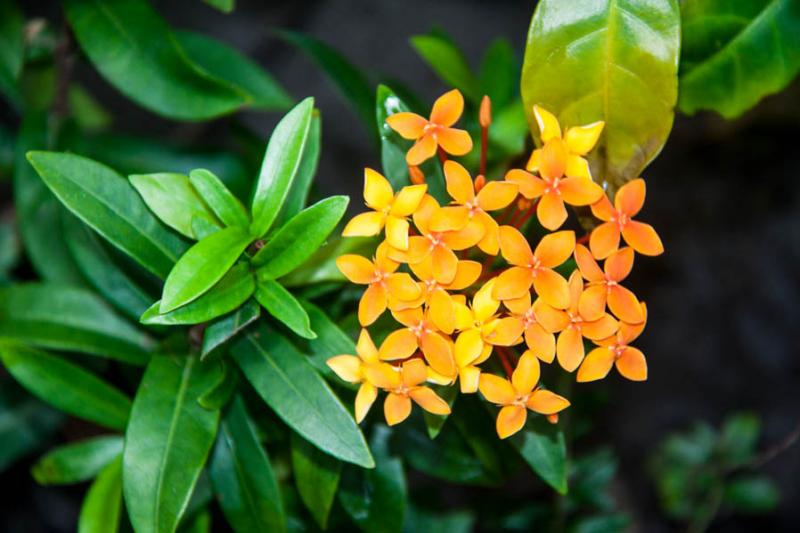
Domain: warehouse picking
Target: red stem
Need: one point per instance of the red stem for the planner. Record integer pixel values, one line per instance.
(484, 148)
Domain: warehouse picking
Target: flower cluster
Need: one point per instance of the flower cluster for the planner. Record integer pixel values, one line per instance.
(459, 318)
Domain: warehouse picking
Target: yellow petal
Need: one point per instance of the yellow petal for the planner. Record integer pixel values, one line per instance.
(413, 372)
(450, 218)
(548, 124)
(365, 397)
(632, 364)
(546, 402)
(438, 353)
(468, 378)
(365, 348)
(442, 311)
(552, 288)
(580, 191)
(553, 159)
(397, 232)
(581, 139)
(555, 248)
(497, 195)
(505, 331)
(409, 317)
(454, 141)
(378, 191)
(445, 264)
(447, 108)
(402, 286)
(383, 375)
(578, 167)
(408, 125)
(355, 268)
(569, 349)
(423, 149)
(526, 375)
(467, 273)
(372, 304)
(551, 211)
(519, 306)
(408, 199)
(468, 347)
(459, 183)
(490, 243)
(422, 216)
(514, 247)
(398, 345)
(423, 269)
(365, 225)
(496, 389)
(429, 400)
(513, 283)
(596, 365)
(510, 419)
(484, 305)
(467, 237)
(530, 186)
(382, 260)
(533, 162)
(347, 367)
(396, 408)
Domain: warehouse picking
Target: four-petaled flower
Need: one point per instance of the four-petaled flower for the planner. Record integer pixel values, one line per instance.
(604, 285)
(405, 384)
(616, 351)
(539, 340)
(420, 332)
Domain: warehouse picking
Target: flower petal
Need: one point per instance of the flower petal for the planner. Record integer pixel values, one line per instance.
(484, 304)
(467, 237)
(442, 311)
(365, 225)
(551, 211)
(468, 378)
(445, 264)
(497, 195)
(454, 141)
(596, 365)
(513, 283)
(402, 286)
(438, 353)
(399, 344)
(408, 125)
(624, 304)
(365, 348)
(397, 232)
(383, 375)
(533, 162)
(468, 347)
(514, 246)
(589, 268)
(450, 218)
(578, 167)
(530, 186)
(510, 420)
(519, 306)
(546, 402)
(619, 264)
(378, 191)
(604, 240)
(630, 197)
(548, 123)
(396, 408)
(490, 243)
(553, 160)
(467, 273)
(526, 375)
(569, 349)
(422, 216)
(603, 209)
(580, 191)
(540, 342)
(366, 396)
(372, 304)
(602, 328)
(592, 303)
(642, 238)
(447, 108)
(555, 248)
(496, 389)
(551, 319)
(581, 139)
(552, 288)
(506, 331)
(423, 149)
(408, 199)
(347, 367)
(413, 372)
(356, 268)
(632, 364)
(459, 183)
(429, 400)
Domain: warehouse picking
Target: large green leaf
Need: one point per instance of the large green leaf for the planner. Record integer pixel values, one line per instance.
(225, 328)
(499, 73)
(542, 446)
(321, 266)
(102, 507)
(226, 6)
(316, 475)
(330, 341)
(280, 165)
(242, 476)
(25, 423)
(292, 388)
(11, 48)
(310, 227)
(202, 266)
(66, 386)
(109, 204)
(77, 462)
(444, 57)
(227, 63)
(283, 306)
(66, 318)
(167, 441)
(173, 200)
(222, 201)
(298, 192)
(735, 52)
(611, 60)
(134, 49)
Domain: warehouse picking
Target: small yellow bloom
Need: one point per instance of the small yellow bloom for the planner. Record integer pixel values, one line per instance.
(604, 285)
(420, 332)
(404, 386)
(616, 351)
(539, 341)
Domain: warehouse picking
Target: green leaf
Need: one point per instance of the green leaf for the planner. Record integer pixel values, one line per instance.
(330, 341)
(444, 57)
(25, 423)
(739, 437)
(242, 476)
(88, 114)
(752, 494)
(218, 395)
(280, 165)
(499, 73)
(351, 83)
(298, 193)
(11, 48)
(299, 396)
(451, 521)
(734, 53)
(202, 266)
(66, 386)
(611, 523)
(434, 422)
(224, 204)
(226, 6)
(225, 328)
(509, 128)
(316, 476)
(236, 286)
(283, 306)
(168, 440)
(134, 49)
(78, 462)
(226, 63)
(541, 445)
(172, 199)
(102, 507)
(200, 522)
(310, 227)
(65, 318)
(611, 60)
(108, 204)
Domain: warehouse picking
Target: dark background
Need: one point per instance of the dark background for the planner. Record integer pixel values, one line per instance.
(723, 299)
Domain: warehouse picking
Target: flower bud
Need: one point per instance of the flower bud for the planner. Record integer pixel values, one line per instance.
(480, 181)
(417, 177)
(485, 115)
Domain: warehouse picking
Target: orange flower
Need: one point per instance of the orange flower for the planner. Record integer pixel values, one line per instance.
(555, 160)
(540, 341)
(573, 326)
(420, 332)
(406, 385)
(390, 210)
(434, 132)
(535, 267)
(616, 351)
(493, 195)
(520, 394)
(618, 218)
(604, 286)
(382, 280)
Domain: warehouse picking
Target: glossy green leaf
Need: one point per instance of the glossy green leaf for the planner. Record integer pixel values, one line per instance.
(288, 383)
(330, 341)
(65, 318)
(284, 307)
(11, 48)
(200, 522)
(66, 386)
(218, 395)
(298, 193)
(542, 446)
(316, 476)
(109, 204)
(444, 57)
(224, 204)
(611, 60)
(226, 6)
(134, 49)
(499, 73)
(351, 83)
(321, 266)
(227, 63)
(102, 506)
(25, 423)
(311, 227)
(280, 165)
(202, 266)
(77, 462)
(418, 519)
(242, 476)
(734, 53)
(168, 440)
(173, 200)
(752, 494)
(225, 328)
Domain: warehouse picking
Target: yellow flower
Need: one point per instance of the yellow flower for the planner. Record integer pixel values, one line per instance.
(539, 340)
(404, 385)
(616, 351)
(420, 332)
(604, 285)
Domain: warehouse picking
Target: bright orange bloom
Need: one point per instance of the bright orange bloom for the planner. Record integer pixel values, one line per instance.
(436, 131)
(390, 210)
(618, 218)
(421, 333)
(492, 196)
(403, 385)
(604, 285)
(535, 267)
(382, 280)
(573, 326)
(616, 351)
(520, 394)
(540, 341)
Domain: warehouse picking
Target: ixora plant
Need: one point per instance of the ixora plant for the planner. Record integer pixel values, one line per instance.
(212, 326)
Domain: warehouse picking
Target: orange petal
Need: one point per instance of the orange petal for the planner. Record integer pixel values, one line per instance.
(579, 191)
(413, 372)
(423, 269)
(396, 408)
(467, 237)
(581, 139)
(382, 260)
(497, 195)
(347, 367)
(533, 162)
(619, 264)
(551, 319)
(409, 317)
(540, 342)
(546, 402)
(555, 248)
(383, 375)
(553, 159)
(629, 332)
(372, 304)
(439, 354)
(445, 264)
(365, 348)
(530, 186)
(526, 375)
(397, 232)
(423, 149)
(514, 246)
(459, 183)
(589, 268)
(632, 364)
(569, 349)
(603, 209)
(496, 389)
(408, 199)
(408, 125)
(399, 344)
(454, 141)
(467, 273)
(642, 238)
(510, 420)
(592, 303)
(575, 284)
(596, 365)
(468, 347)
(447, 108)
(490, 243)
(552, 288)
(548, 123)
(604, 240)
(378, 191)
(422, 216)
(402, 286)
(602, 328)
(630, 197)
(450, 218)
(505, 331)
(355, 268)
(519, 306)
(551, 211)
(429, 400)
(366, 396)
(419, 249)
(513, 283)
(365, 225)
(442, 311)
(624, 304)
